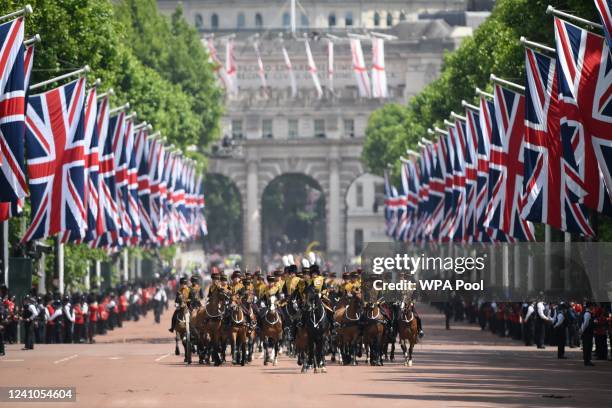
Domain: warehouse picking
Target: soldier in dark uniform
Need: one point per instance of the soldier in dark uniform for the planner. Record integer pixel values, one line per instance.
(29, 314)
(587, 332)
(182, 294)
(196, 293)
(560, 324)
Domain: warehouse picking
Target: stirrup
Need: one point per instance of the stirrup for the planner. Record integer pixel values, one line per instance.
(421, 333)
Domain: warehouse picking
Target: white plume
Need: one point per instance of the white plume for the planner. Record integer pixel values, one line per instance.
(285, 260)
(290, 258)
(313, 258)
(305, 263)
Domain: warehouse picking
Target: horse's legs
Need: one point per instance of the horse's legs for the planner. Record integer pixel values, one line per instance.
(233, 348)
(265, 349)
(276, 347)
(177, 351)
(410, 354)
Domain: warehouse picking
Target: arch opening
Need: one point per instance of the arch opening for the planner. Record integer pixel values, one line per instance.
(293, 216)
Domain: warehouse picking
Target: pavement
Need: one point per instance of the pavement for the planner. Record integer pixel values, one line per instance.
(135, 366)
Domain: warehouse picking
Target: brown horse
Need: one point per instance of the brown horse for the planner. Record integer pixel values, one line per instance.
(373, 332)
(208, 320)
(238, 329)
(301, 347)
(347, 317)
(183, 332)
(407, 329)
(271, 331)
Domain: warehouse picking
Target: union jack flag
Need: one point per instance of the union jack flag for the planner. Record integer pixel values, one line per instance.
(132, 184)
(435, 202)
(487, 126)
(604, 7)
(92, 160)
(13, 72)
(472, 136)
(391, 205)
(119, 127)
(506, 167)
(108, 222)
(553, 185)
(447, 159)
(142, 151)
(457, 132)
(56, 158)
(585, 89)
(402, 214)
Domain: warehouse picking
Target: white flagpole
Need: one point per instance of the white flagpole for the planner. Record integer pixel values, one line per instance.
(260, 67)
(78, 72)
(22, 12)
(230, 67)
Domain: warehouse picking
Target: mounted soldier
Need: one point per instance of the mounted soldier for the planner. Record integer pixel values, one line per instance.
(182, 294)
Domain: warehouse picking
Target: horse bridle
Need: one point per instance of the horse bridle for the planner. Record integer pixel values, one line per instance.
(277, 317)
(314, 316)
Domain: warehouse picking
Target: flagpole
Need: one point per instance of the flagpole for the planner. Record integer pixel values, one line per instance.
(441, 131)
(4, 232)
(32, 40)
(537, 45)
(555, 12)
(120, 108)
(110, 92)
(22, 12)
(469, 106)
(480, 92)
(500, 81)
(59, 264)
(78, 72)
(458, 117)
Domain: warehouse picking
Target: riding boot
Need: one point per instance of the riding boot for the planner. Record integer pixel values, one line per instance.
(174, 320)
(419, 327)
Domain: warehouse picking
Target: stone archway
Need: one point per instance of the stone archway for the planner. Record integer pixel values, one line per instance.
(332, 163)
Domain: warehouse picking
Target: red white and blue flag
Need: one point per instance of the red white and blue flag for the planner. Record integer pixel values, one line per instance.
(553, 184)
(585, 93)
(56, 159)
(503, 211)
(141, 154)
(14, 79)
(604, 7)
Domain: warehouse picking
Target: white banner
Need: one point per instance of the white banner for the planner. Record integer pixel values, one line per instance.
(360, 70)
(230, 68)
(291, 73)
(330, 65)
(213, 58)
(312, 68)
(379, 76)
(260, 67)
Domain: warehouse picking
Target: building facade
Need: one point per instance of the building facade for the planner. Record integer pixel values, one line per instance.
(274, 132)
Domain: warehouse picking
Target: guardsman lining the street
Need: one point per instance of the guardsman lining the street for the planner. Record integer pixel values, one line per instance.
(587, 332)
(30, 313)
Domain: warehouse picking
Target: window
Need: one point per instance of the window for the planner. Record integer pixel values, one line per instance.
(237, 129)
(258, 20)
(286, 19)
(240, 20)
(376, 19)
(304, 20)
(403, 16)
(331, 20)
(214, 21)
(349, 128)
(266, 129)
(379, 196)
(389, 20)
(199, 22)
(292, 132)
(319, 128)
(359, 194)
(358, 238)
(348, 19)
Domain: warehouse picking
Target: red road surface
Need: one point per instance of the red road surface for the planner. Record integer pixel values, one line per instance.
(135, 367)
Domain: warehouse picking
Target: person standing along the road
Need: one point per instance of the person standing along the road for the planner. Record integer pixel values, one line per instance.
(540, 320)
(3, 323)
(79, 320)
(560, 328)
(159, 299)
(586, 331)
(29, 314)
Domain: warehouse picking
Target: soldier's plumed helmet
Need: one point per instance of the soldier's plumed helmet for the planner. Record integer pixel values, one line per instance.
(292, 269)
(183, 281)
(236, 274)
(278, 272)
(195, 279)
(223, 277)
(314, 269)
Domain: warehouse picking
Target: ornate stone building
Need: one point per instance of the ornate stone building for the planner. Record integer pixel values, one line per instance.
(276, 134)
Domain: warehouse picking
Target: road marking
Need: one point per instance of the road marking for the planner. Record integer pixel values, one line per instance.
(12, 360)
(160, 358)
(66, 359)
(114, 358)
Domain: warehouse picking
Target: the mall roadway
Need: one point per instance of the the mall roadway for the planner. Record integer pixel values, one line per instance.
(135, 367)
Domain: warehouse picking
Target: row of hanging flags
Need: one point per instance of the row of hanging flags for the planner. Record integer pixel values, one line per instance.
(541, 153)
(93, 175)
(376, 87)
